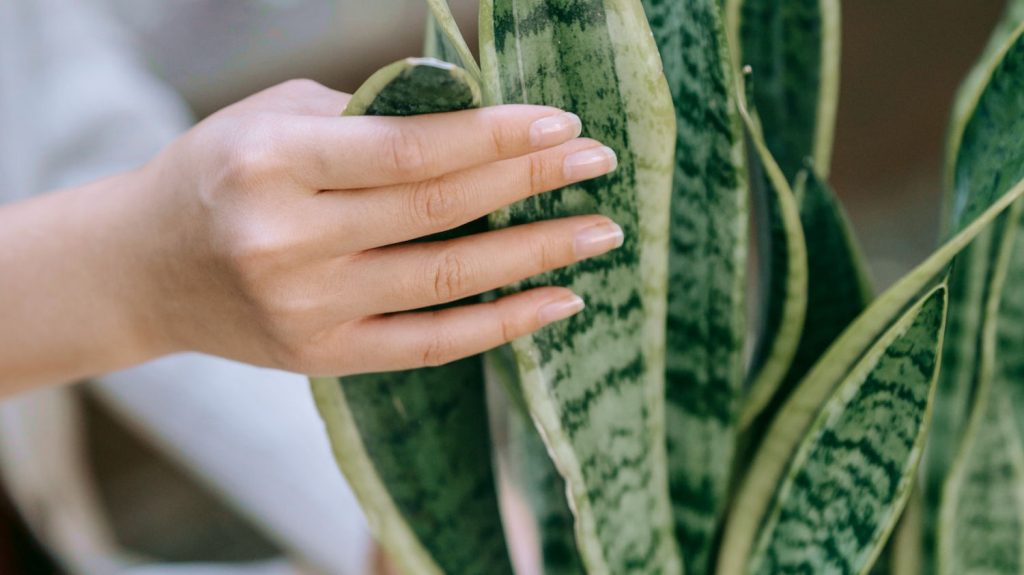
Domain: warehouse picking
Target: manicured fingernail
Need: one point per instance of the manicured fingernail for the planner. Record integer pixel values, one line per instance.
(598, 239)
(554, 130)
(560, 309)
(590, 163)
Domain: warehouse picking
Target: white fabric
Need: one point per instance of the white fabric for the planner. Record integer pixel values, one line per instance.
(77, 102)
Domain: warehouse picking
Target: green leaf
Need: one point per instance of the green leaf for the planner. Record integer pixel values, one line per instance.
(983, 153)
(970, 91)
(792, 48)
(707, 269)
(595, 384)
(982, 529)
(852, 471)
(979, 470)
(783, 273)
(415, 445)
(529, 472)
(444, 24)
(992, 167)
(837, 292)
(839, 289)
(533, 472)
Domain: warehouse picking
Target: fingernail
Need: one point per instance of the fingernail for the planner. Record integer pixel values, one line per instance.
(590, 163)
(597, 239)
(554, 130)
(560, 309)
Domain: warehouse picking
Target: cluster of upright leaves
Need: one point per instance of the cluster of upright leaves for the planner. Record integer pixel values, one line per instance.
(640, 439)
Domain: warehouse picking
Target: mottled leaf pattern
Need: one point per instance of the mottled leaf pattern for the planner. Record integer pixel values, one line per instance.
(838, 288)
(852, 472)
(594, 384)
(983, 526)
(415, 445)
(784, 274)
(792, 49)
(707, 265)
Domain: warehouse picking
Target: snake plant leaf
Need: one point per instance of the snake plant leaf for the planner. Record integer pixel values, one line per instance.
(415, 445)
(783, 272)
(970, 91)
(544, 490)
(990, 172)
(968, 284)
(529, 472)
(839, 290)
(852, 471)
(792, 47)
(979, 470)
(442, 24)
(982, 527)
(707, 269)
(594, 384)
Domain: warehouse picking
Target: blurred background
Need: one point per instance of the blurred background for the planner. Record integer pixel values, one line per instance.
(902, 61)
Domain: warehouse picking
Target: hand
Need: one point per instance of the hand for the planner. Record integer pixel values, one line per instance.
(275, 232)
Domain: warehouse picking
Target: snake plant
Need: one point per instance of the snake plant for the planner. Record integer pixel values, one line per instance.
(671, 427)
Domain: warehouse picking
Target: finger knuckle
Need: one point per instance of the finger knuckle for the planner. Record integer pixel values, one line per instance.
(438, 350)
(253, 158)
(504, 136)
(299, 86)
(546, 252)
(406, 153)
(509, 329)
(436, 204)
(450, 277)
(540, 173)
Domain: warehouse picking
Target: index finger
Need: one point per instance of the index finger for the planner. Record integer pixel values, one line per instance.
(355, 152)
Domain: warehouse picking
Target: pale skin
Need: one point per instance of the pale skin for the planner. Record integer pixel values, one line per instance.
(273, 233)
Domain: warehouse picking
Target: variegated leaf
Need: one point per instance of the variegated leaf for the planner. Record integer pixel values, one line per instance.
(595, 384)
(415, 445)
(707, 269)
(851, 473)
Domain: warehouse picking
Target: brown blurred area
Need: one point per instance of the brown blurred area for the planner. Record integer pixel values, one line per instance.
(901, 65)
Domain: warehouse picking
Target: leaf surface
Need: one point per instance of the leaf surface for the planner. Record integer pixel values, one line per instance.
(852, 471)
(594, 384)
(415, 445)
(707, 269)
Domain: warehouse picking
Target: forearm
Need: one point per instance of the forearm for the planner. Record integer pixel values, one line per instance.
(72, 300)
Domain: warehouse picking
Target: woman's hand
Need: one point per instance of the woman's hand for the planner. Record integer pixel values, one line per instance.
(276, 232)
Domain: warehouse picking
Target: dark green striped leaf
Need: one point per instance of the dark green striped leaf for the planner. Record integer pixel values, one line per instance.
(528, 470)
(783, 273)
(415, 445)
(707, 269)
(975, 491)
(595, 383)
(792, 48)
(839, 288)
(851, 473)
(983, 522)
